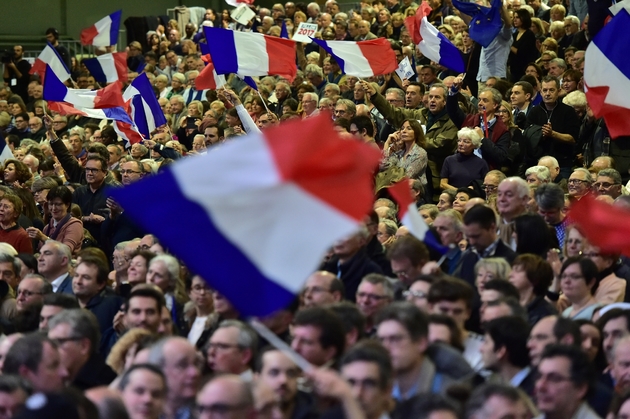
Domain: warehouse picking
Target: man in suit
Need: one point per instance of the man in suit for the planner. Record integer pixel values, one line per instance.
(53, 265)
(480, 228)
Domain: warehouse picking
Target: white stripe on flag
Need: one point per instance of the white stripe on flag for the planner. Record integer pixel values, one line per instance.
(600, 71)
(355, 62)
(104, 27)
(251, 50)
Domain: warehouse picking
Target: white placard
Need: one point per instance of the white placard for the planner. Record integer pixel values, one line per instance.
(404, 70)
(242, 14)
(304, 32)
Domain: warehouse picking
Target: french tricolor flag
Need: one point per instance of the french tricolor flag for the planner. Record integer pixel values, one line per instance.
(145, 110)
(251, 54)
(431, 42)
(607, 75)
(107, 97)
(103, 33)
(50, 58)
(108, 68)
(411, 218)
(128, 132)
(208, 77)
(116, 114)
(261, 211)
(363, 58)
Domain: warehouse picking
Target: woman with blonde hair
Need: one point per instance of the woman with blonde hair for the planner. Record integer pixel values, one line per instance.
(464, 167)
(491, 268)
(124, 351)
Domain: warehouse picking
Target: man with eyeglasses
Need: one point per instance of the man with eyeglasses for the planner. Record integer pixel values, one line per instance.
(407, 256)
(76, 333)
(345, 109)
(565, 377)
(30, 291)
(60, 125)
(36, 128)
(374, 293)
(21, 126)
(92, 198)
(491, 183)
(608, 183)
(579, 183)
(232, 349)
(309, 104)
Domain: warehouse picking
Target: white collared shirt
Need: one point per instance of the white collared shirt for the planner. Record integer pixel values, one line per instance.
(56, 283)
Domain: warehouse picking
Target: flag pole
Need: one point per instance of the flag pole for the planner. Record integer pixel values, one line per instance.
(281, 345)
(263, 101)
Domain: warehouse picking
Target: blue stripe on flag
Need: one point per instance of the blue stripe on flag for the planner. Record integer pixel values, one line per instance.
(608, 41)
(54, 89)
(113, 34)
(209, 254)
(222, 49)
(94, 67)
(324, 45)
(117, 114)
(450, 56)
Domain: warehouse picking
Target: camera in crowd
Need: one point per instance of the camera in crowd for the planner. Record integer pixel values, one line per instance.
(6, 56)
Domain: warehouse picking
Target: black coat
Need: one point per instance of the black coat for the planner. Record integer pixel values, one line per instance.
(353, 271)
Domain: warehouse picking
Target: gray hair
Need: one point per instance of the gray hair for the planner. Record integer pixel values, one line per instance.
(172, 266)
(559, 62)
(350, 106)
(45, 286)
(61, 248)
(399, 92)
(83, 324)
(573, 19)
(375, 279)
(323, 101)
(586, 173)
(77, 131)
(313, 69)
(247, 338)
(611, 173)
(27, 351)
(312, 96)
(456, 219)
(522, 188)
(335, 87)
(575, 98)
(470, 134)
(15, 263)
(553, 160)
(542, 173)
(390, 226)
(287, 86)
(549, 196)
(496, 95)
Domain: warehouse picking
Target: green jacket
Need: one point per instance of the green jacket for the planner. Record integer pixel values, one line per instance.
(441, 138)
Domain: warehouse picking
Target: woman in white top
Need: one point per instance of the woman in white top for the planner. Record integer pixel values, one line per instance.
(201, 298)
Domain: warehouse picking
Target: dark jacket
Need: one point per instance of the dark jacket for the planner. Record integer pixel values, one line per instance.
(66, 286)
(470, 258)
(538, 309)
(352, 272)
(94, 373)
(104, 306)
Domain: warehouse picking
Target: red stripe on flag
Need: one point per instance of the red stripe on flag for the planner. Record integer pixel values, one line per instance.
(380, 55)
(281, 57)
(337, 170)
(616, 117)
(205, 79)
(401, 192)
(120, 61)
(109, 97)
(88, 35)
(604, 225)
(64, 108)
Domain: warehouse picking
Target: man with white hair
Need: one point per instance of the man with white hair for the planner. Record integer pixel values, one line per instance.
(537, 175)
(312, 10)
(309, 104)
(33, 164)
(551, 163)
(512, 199)
(36, 126)
(199, 144)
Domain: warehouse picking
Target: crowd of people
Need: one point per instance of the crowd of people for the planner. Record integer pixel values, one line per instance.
(522, 317)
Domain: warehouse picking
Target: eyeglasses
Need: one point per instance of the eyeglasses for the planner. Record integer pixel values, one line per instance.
(58, 122)
(92, 170)
(221, 346)
(604, 185)
(61, 341)
(128, 172)
(576, 181)
(552, 378)
(489, 187)
(27, 293)
(414, 294)
(199, 289)
(34, 125)
(340, 111)
(502, 111)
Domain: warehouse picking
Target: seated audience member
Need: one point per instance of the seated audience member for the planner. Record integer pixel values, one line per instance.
(532, 276)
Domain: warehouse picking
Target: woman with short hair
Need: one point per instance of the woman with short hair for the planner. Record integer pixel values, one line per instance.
(464, 167)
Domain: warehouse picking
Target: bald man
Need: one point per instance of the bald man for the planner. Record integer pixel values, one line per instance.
(226, 390)
(322, 288)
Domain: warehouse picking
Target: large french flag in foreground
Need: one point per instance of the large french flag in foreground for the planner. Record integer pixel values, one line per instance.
(108, 68)
(256, 234)
(128, 132)
(50, 58)
(145, 110)
(606, 226)
(104, 32)
(363, 58)
(607, 75)
(117, 114)
(432, 43)
(107, 97)
(411, 218)
(251, 54)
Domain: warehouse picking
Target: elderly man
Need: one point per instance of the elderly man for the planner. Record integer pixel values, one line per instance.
(53, 265)
(450, 228)
(232, 349)
(512, 199)
(309, 104)
(537, 175)
(608, 183)
(77, 334)
(557, 67)
(177, 358)
(550, 200)
(554, 170)
(31, 290)
(579, 183)
(491, 183)
(345, 109)
(374, 293)
(322, 288)
(37, 129)
(228, 396)
(315, 76)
